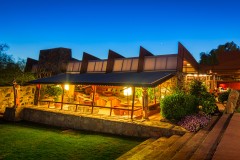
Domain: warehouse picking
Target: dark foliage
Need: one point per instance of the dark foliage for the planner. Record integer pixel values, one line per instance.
(204, 98)
(223, 96)
(178, 105)
(11, 70)
(211, 57)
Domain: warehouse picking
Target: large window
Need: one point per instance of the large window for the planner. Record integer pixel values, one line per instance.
(160, 63)
(97, 66)
(74, 67)
(127, 64)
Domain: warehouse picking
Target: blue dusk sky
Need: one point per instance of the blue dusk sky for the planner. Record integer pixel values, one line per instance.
(95, 26)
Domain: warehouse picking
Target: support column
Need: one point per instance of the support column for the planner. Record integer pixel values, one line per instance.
(145, 103)
(93, 98)
(133, 98)
(63, 91)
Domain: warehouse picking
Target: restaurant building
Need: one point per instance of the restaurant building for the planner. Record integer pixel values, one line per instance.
(129, 87)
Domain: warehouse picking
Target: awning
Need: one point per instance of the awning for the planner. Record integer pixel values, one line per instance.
(142, 79)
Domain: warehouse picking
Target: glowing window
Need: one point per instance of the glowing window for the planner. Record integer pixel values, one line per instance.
(70, 67)
(134, 64)
(161, 63)
(149, 63)
(91, 66)
(76, 66)
(117, 65)
(127, 64)
(104, 67)
(171, 63)
(98, 66)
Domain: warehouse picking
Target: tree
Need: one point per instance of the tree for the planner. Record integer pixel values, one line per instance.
(211, 57)
(11, 70)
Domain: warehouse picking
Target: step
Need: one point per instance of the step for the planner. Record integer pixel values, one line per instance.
(208, 146)
(213, 121)
(136, 149)
(190, 147)
(158, 145)
(172, 150)
(159, 150)
(229, 145)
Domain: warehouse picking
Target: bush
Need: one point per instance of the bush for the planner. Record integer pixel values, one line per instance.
(54, 91)
(208, 103)
(197, 88)
(178, 105)
(204, 98)
(223, 96)
(194, 122)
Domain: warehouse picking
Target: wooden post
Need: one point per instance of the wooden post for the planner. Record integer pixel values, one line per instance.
(133, 98)
(62, 96)
(94, 91)
(38, 90)
(155, 101)
(145, 103)
(15, 94)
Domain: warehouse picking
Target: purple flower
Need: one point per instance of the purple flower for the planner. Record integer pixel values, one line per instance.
(194, 122)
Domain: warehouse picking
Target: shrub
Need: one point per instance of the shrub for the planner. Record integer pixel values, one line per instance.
(208, 103)
(223, 96)
(204, 98)
(178, 105)
(54, 91)
(194, 122)
(197, 88)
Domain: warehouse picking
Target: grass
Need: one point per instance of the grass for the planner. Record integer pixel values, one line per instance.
(31, 141)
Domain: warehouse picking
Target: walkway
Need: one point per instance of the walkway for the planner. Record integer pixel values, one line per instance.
(218, 141)
(229, 146)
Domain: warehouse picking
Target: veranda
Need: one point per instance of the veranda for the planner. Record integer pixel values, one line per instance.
(119, 101)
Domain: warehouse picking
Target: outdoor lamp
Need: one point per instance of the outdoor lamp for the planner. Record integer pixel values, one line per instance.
(127, 91)
(66, 87)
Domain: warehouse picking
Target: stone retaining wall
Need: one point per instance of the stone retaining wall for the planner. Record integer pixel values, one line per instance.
(7, 96)
(79, 122)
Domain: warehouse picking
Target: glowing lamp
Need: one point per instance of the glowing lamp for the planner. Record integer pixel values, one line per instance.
(127, 91)
(66, 87)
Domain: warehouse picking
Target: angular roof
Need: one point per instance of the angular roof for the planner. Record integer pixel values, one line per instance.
(141, 79)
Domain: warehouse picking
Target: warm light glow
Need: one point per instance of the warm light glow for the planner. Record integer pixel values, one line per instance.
(188, 64)
(66, 87)
(127, 91)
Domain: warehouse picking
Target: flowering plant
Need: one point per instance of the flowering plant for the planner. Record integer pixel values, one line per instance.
(194, 122)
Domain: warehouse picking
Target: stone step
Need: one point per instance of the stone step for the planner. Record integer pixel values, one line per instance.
(172, 150)
(213, 121)
(190, 147)
(148, 149)
(158, 145)
(229, 146)
(209, 145)
(136, 149)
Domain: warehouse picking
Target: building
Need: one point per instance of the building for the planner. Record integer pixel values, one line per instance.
(118, 86)
(51, 62)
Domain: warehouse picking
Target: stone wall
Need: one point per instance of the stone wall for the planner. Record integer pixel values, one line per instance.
(71, 121)
(7, 96)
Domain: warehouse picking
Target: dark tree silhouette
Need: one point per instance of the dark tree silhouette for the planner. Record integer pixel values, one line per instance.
(11, 70)
(211, 57)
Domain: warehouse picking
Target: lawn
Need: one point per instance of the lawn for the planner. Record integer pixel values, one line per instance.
(31, 141)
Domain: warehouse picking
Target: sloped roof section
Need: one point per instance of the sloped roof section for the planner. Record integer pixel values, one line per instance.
(142, 79)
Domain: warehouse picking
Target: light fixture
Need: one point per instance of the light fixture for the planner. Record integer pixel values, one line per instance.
(127, 91)
(66, 87)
